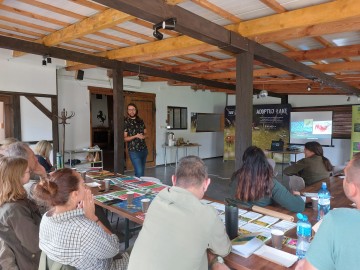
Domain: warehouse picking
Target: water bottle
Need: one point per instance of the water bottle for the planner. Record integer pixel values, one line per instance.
(303, 231)
(324, 201)
(59, 161)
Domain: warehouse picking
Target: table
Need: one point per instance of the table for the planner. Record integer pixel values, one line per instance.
(177, 147)
(257, 263)
(283, 153)
(119, 211)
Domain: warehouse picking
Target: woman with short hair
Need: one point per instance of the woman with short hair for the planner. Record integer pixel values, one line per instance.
(255, 184)
(19, 216)
(71, 233)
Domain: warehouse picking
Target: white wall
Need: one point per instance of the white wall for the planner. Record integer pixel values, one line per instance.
(16, 76)
(340, 152)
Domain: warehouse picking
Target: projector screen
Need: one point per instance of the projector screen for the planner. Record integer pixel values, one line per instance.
(311, 126)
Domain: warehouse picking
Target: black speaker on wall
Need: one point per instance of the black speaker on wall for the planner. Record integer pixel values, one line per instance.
(79, 75)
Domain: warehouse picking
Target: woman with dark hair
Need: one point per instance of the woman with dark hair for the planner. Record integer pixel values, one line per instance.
(19, 218)
(314, 167)
(71, 233)
(256, 186)
(134, 135)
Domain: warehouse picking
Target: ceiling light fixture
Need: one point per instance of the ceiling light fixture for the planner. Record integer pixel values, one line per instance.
(308, 87)
(263, 93)
(168, 24)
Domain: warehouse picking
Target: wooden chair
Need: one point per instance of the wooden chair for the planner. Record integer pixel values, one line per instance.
(47, 264)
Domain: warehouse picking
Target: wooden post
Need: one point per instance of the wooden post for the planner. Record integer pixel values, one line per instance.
(244, 105)
(118, 106)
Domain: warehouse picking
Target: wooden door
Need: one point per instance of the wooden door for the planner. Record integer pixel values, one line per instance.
(146, 110)
(146, 106)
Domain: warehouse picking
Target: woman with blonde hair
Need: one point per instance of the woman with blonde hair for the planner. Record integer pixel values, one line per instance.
(71, 233)
(42, 151)
(19, 216)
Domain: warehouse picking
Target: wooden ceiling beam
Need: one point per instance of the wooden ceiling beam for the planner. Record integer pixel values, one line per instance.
(313, 15)
(174, 2)
(197, 27)
(346, 25)
(54, 9)
(40, 49)
(335, 67)
(326, 53)
(97, 22)
(92, 5)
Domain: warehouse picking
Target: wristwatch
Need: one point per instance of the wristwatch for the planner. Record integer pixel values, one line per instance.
(217, 259)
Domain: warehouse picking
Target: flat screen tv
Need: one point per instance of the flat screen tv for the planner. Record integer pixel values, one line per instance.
(311, 126)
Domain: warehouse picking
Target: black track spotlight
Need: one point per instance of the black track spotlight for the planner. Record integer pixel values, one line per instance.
(169, 24)
(44, 62)
(48, 60)
(158, 35)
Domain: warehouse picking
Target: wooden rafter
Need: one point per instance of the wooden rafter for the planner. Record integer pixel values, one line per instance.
(97, 22)
(156, 10)
(274, 5)
(221, 12)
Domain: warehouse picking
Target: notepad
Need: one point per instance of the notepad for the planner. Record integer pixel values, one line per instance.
(248, 248)
(277, 256)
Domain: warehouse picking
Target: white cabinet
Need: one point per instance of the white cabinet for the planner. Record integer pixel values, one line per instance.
(84, 159)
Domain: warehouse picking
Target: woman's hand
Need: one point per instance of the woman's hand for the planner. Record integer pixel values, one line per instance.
(89, 206)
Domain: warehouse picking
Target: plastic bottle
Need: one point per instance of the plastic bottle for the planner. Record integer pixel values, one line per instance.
(303, 231)
(59, 161)
(324, 201)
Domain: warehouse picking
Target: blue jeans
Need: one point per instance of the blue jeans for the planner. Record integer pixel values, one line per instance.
(138, 160)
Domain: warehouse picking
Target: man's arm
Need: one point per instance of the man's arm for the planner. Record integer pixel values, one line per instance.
(213, 264)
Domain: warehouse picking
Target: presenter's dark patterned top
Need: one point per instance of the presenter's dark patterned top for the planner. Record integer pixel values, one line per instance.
(133, 127)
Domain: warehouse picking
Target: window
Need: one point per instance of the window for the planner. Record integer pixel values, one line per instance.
(177, 117)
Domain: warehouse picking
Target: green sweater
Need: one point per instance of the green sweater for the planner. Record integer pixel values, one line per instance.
(281, 196)
(312, 169)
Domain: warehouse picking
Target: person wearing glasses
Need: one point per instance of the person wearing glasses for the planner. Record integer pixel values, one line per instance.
(134, 135)
(19, 218)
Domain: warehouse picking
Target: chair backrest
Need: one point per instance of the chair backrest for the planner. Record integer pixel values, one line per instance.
(150, 179)
(296, 183)
(272, 163)
(47, 264)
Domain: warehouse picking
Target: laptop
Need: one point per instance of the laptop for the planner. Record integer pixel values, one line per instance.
(277, 146)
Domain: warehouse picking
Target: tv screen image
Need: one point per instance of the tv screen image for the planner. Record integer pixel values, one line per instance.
(311, 126)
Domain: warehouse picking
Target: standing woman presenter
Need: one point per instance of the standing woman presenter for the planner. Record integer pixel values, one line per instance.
(134, 135)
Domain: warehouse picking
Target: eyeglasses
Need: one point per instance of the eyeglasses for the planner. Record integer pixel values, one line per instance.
(28, 171)
(132, 110)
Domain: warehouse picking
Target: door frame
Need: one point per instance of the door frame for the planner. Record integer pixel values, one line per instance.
(128, 96)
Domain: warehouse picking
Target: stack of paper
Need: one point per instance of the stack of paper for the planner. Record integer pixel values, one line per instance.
(245, 245)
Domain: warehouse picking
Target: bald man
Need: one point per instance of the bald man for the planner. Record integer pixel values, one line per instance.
(337, 243)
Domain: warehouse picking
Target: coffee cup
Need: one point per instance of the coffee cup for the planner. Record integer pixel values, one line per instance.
(130, 197)
(107, 184)
(277, 237)
(145, 203)
(315, 201)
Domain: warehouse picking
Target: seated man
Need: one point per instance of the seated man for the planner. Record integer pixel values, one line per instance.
(336, 244)
(179, 231)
